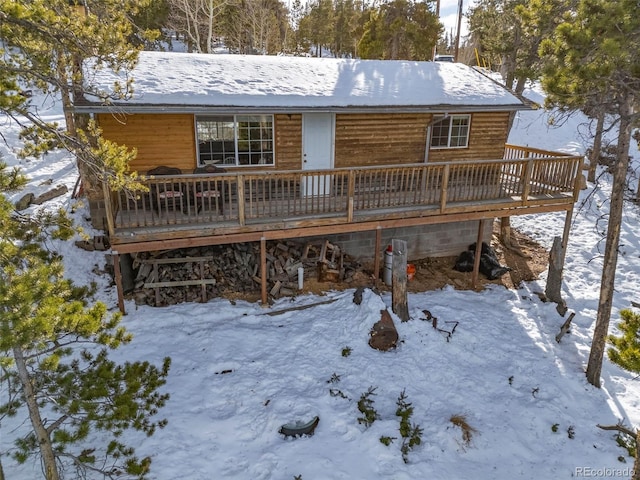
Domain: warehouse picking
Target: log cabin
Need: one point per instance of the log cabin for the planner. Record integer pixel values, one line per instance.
(255, 148)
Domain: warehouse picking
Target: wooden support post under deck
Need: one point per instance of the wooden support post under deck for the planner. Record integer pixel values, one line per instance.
(118, 277)
(565, 234)
(505, 230)
(477, 254)
(399, 299)
(376, 260)
(263, 271)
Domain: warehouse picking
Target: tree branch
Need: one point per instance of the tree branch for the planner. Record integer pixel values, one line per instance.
(56, 424)
(618, 428)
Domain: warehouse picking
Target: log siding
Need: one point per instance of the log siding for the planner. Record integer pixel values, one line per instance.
(380, 139)
(162, 139)
(363, 139)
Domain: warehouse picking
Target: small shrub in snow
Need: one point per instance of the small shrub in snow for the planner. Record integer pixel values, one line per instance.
(387, 440)
(411, 433)
(365, 406)
(334, 392)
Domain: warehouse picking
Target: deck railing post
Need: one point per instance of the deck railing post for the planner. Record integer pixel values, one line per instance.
(350, 196)
(526, 180)
(241, 202)
(444, 188)
(108, 208)
(577, 177)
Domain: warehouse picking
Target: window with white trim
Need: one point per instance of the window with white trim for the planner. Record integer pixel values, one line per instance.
(451, 131)
(235, 140)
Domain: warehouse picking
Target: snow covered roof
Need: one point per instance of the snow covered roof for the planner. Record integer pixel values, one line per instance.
(169, 81)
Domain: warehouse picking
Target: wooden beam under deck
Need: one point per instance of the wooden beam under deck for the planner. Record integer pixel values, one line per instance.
(308, 230)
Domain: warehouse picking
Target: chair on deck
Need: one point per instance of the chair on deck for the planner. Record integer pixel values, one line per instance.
(166, 195)
(208, 193)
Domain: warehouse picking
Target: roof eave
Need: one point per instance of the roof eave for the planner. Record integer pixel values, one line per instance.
(236, 109)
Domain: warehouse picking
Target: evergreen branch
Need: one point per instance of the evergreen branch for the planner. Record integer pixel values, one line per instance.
(82, 465)
(56, 347)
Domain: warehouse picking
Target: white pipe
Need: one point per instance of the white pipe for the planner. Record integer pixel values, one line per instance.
(300, 277)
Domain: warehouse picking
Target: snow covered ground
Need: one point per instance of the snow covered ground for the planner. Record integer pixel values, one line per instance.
(238, 374)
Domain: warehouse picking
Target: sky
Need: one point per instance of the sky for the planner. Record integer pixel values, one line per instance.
(449, 16)
(241, 371)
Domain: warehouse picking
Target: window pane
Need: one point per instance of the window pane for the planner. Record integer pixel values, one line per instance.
(243, 145)
(459, 131)
(452, 131)
(219, 136)
(440, 132)
(255, 136)
(215, 139)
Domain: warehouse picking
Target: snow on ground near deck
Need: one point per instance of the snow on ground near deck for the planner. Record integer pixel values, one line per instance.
(501, 368)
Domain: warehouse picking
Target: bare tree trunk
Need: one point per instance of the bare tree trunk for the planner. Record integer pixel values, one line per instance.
(636, 462)
(594, 367)
(44, 441)
(185, 19)
(520, 84)
(553, 289)
(597, 148)
(65, 93)
(210, 15)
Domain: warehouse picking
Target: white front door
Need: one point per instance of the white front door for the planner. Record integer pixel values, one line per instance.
(317, 151)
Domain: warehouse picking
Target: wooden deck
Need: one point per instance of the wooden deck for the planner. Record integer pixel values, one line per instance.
(278, 204)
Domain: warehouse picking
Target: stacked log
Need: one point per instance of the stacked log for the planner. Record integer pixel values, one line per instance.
(202, 273)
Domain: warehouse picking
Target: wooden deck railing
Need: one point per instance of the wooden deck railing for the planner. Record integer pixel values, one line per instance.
(526, 177)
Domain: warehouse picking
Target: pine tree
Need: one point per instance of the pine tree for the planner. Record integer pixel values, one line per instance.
(592, 57)
(45, 46)
(400, 29)
(495, 28)
(625, 351)
(54, 356)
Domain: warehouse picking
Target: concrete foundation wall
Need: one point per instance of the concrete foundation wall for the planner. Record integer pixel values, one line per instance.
(423, 241)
